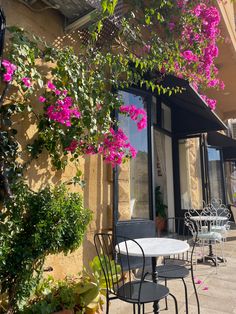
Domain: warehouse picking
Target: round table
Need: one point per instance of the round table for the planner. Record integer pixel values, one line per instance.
(208, 219)
(153, 247)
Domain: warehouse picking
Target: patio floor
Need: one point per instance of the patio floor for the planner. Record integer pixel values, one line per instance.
(220, 298)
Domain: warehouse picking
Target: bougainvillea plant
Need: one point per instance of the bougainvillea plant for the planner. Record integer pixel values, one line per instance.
(76, 96)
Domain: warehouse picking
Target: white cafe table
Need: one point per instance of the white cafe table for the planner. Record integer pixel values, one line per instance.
(208, 219)
(154, 247)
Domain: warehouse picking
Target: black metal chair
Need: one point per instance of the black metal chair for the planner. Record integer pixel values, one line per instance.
(136, 229)
(179, 266)
(120, 283)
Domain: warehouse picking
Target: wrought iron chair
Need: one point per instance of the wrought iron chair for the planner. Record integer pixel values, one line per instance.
(121, 283)
(179, 266)
(218, 209)
(207, 234)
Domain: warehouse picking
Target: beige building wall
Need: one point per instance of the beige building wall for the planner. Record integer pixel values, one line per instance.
(97, 192)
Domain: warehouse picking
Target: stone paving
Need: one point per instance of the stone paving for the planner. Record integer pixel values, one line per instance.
(220, 298)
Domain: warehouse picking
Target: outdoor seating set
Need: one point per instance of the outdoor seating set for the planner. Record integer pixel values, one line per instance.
(130, 279)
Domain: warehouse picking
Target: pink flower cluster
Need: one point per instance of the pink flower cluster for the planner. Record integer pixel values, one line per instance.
(26, 81)
(72, 147)
(10, 69)
(63, 111)
(211, 102)
(115, 147)
(138, 115)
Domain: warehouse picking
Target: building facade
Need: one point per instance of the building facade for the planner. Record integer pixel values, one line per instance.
(173, 152)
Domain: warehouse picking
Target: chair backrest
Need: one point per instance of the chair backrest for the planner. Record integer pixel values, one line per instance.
(136, 229)
(217, 208)
(119, 278)
(176, 229)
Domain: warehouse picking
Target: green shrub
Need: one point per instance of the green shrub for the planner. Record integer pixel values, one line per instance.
(34, 225)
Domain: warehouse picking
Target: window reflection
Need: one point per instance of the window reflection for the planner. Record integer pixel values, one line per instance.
(133, 175)
(215, 174)
(190, 173)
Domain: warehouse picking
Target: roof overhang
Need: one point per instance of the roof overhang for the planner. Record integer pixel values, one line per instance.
(226, 143)
(190, 113)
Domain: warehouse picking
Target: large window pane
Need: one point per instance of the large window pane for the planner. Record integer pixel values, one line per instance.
(230, 171)
(163, 170)
(133, 175)
(215, 174)
(190, 173)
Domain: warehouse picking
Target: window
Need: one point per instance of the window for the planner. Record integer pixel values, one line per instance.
(215, 172)
(133, 176)
(190, 173)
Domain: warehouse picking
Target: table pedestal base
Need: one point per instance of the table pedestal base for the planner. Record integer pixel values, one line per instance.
(156, 307)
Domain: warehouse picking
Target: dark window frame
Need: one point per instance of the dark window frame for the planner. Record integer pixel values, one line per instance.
(223, 182)
(149, 95)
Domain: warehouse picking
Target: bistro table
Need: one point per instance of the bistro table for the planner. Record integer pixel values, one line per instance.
(208, 219)
(154, 247)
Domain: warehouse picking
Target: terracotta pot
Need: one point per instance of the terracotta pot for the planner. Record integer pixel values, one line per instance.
(160, 225)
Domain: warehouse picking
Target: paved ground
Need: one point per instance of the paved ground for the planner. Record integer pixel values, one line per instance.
(220, 298)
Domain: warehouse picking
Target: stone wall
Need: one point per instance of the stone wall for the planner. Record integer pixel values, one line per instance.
(97, 192)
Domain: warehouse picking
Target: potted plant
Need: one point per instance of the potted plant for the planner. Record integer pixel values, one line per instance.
(160, 210)
(82, 294)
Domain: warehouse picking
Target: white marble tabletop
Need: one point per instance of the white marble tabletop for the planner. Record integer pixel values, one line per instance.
(208, 218)
(153, 247)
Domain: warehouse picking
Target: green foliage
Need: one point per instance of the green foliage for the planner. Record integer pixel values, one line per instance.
(159, 205)
(34, 225)
(77, 294)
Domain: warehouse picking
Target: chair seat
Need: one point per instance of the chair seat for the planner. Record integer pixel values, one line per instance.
(214, 236)
(220, 229)
(172, 271)
(150, 292)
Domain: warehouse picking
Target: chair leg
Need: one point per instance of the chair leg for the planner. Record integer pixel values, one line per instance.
(139, 308)
(176, 304)
(166, 301)
(195, 291)
(186, 295)
(107, 305)
(143, 308)
(134, 308)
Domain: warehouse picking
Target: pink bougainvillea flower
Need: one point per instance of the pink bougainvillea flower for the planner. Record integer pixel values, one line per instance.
(6, 63)
(57, 92)
(63, 111)
(189, 56)
(146, 48)
(72, 147)
(10, 69)
(42, 99)
(171, 26)
(50, 85)
(199, 281)
(115, 147)
(222, 85)
(26, 81)
(210, 102)
(7, 77)
(205, 288)
(138, 115)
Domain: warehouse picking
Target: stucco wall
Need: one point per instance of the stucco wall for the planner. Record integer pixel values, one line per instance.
(97, 192)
